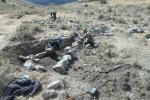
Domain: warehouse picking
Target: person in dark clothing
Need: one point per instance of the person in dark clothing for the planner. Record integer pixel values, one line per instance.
(21, 87)
(52, 47)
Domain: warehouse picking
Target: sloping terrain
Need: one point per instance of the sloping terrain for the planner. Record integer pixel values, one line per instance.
(118, 67)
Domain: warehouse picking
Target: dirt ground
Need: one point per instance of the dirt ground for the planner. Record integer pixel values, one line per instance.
(118, 68)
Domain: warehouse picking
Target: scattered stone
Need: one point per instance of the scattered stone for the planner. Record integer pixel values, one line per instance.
(99, 30)
(49, 94)
(30, 65)
(126, 87)
(56, 85)
(136, 30)
(88, 46)
(147, 36)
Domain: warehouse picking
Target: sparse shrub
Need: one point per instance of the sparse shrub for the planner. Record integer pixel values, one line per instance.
(107, 50)
(26, 32)
(110, 9)
(64, 26)
(120, 20)
(148, 6)
(122, 57)
(4, 1)
(103, 1)
(104, 17)
(111, 52)
(4, 60)
(135, 21)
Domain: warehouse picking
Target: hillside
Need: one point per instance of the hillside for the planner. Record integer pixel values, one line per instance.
(118, 67)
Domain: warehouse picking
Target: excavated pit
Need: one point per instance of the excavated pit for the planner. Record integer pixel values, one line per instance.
(12, 52)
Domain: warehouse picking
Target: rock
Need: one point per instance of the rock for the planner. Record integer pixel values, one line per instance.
(98, 30)
(147, 36)
(136, 30)
(62, 95)
(29, 64)
(56, 85)
(63, 64)
(88, 46)
(41, 68)
(48, 94)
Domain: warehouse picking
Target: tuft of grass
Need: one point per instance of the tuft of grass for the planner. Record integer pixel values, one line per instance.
(121, 20)
(148, 6)
(4, 60)
(103, 1)
(110, 10)
(26, 32)
(107, 50)
(65, 26)
(116, 56)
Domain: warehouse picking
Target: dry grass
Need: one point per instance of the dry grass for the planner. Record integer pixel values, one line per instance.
(107, 50)
(4, 60)
(19, 11)
(128, 2)
(26, 32)
(117, 56)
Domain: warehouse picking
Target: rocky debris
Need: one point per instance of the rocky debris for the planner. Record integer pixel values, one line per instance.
(49, 23)
(88, 94)
(99, 30)
(49, 94)
(136, 29)
(56, 85)
(147, 36)
(30, 57)
(125, 85)
(30, 65)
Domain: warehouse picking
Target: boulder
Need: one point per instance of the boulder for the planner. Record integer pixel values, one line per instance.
(56, 85)
(63, 64)
(29, 64)
(48, 94)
